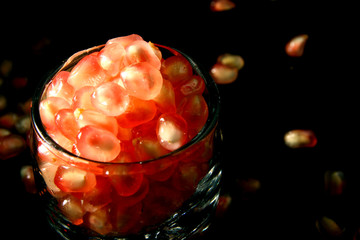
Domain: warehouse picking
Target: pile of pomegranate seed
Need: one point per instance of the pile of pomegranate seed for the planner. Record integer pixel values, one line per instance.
(124, 104)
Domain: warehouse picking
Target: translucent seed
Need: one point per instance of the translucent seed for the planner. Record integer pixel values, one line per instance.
(72, 208)
(59, 87)
(176, 69)
(11, 145)
(141, 51)
(334, 182)
(300, 138)
(171, 131)
(27, 177)
(87, 72)
(111, 58)
(221, 5)
(82, 98)
(110, 99)
(231, 60)
(48, 109)
(295, 47)
(66, 123)
(99, 220)
(142, 80)
(91, 117)
(223, 74)
(165, 100)
(329, 227)
(195, 85)
(97, 144)
(71, 179)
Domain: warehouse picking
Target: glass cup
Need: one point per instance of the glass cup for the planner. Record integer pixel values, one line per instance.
(176, 194)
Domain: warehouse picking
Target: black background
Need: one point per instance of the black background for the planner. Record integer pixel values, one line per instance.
(273, 94)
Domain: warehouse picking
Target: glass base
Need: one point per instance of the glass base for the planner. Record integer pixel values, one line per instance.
(192, 218)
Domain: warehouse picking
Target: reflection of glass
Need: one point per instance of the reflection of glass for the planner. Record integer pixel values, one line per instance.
(175, 194)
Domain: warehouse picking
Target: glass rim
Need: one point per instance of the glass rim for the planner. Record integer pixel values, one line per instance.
(211, 122)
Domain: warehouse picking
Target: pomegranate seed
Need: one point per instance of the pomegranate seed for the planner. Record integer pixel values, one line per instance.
(111, 58)
(194, 110)
(165, 100)
(66, 123)
(300, 138)
(87, 72)
(171, 131)
(223, 74)
(71, 179)
(82, 98)
(221, 5)
(110, 99)
(48, 170)
(148, 148)
(91, 117)
(125, 41)
(59, 87)
(99, 196)
(231, 60)
(48, 109)
(27, 177)
(176, 69)
(126, 179)
(135, 198)
(195, 85)
(97, 144)
(295, 47)
(11, 145)
(138, 112)
(141, 51)
(8, 120)
(72, 208)
(125, 219)
(99, 220)
(142, 80)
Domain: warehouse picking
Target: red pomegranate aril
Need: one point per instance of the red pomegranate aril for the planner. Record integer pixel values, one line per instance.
(125, 220)
(66, 123)
(82, 98)
(141, 51)
(91, 117)
(135, 198)
(99, 220)
(11, 145)
(295, 47)
(97, 144)
(138, 112)
(87, 72)
(111, 58)
(142, 80)
(71, 179)
(72, 208)
(124, 41)
(165, 100)
(125, 178)
(110, 99)
(223, 74)
(195, 85)
(59, 87)
(171, 131)
(48, 109)
(98, 196)
(194, 110)
(148, 148)
(176, 69)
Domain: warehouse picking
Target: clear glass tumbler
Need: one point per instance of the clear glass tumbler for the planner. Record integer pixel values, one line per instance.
(177, 193)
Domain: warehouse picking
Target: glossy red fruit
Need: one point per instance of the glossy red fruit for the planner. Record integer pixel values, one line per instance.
(176, 69)
(165, 100)
(87, 72)
(194, 110)
(125, 41)
(91, 117)
(110, 99)
(141, 51)
(194, 85)
(72, 209)
(71, 179)
(98, 196)
(142, 80)
(221, 5)
(126, 220)
(11, 145)
(99, 220)
(295, 47)
(66, 123)
(171, 131)
(135, 198)
(138, 112)
(125, 178)
(97, 144)
(48, 109)
(111, 58)
(59, 87)
(223, 74)
(82, 98)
